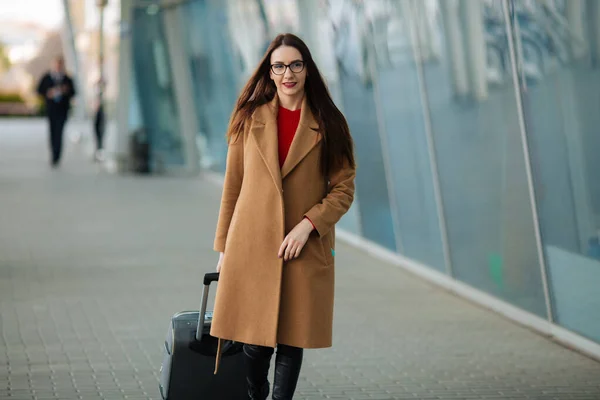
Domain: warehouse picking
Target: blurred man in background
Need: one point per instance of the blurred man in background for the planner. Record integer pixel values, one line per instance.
(99, 120)
(57, 89)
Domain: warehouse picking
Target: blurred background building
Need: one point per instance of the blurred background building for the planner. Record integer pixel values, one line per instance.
(475, 121)
(33, 33)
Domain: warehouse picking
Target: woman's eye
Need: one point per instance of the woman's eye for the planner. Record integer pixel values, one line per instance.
(297, 65)
(278, 67)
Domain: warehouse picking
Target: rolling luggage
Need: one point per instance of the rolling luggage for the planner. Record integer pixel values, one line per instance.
(187, 371)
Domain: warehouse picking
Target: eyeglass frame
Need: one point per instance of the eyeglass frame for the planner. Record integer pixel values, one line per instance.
(288, 66)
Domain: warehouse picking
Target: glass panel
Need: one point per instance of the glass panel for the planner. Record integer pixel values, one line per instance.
(560, 92)
(399, 99)
(309, 20)
(247, 30)
(479, 149)
(247, 22)
(356, 90)
(155, 87)
(214, 74)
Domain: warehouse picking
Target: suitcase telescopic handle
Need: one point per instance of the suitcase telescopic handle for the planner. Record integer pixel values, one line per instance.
(208, 279)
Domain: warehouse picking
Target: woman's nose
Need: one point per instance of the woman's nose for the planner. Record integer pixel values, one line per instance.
(288, 73)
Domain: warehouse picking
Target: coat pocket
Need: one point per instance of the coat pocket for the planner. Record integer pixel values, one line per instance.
(327, 248)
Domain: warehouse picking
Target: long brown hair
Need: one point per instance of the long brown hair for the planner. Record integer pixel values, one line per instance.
(337, 144)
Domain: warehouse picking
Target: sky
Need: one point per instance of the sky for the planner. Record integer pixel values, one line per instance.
(48, 13)
(45, 14)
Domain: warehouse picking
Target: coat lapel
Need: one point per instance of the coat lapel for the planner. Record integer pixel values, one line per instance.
(305, 139)
(264, 131)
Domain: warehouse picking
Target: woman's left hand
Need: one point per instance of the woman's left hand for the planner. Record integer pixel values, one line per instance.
(295, 240)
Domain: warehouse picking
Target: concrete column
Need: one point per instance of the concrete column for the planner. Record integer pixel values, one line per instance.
(475, 47)
(454, 41)
(183, 84)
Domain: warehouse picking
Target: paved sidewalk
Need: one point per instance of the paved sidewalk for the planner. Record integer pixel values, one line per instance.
(92, 266)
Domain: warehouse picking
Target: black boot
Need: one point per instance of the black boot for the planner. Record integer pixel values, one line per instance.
(258, 360)
(287, 370)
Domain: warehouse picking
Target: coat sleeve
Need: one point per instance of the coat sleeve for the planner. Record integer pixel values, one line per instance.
(328, 212)
(234, 174)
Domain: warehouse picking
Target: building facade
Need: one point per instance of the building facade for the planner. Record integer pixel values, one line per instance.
(475, 122)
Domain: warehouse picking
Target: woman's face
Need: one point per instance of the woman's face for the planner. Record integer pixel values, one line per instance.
(289, 80)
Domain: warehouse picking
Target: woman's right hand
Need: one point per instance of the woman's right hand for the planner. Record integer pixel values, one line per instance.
(221, 254)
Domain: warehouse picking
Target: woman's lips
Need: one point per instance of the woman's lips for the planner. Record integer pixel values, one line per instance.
(289, 84)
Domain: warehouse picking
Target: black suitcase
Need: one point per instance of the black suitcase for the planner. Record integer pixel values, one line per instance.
(187, 371)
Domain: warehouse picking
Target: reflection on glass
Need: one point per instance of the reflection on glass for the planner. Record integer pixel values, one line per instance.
(156, 93)
(347, 22)
(214, 76)
(560, 92)
(372, 54)
(480, 157)
(398, 98)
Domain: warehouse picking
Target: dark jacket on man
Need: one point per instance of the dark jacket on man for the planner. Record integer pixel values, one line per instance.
(60, 104)
(57, 108)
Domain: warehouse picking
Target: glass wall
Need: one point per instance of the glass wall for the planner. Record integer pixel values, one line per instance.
(253, 24)
(393, 69)
(311, 20)
(154, 83)
(357, 95)
(560, 89)
(478, 141)
(475, 126)
(215, 74)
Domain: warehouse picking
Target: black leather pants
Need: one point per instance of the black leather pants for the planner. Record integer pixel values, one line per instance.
(288, 362)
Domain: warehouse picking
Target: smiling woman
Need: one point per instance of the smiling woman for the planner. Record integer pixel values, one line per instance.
(288, 181)
(288, 76)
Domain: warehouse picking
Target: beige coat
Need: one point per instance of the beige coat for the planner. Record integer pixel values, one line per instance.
(260, 299)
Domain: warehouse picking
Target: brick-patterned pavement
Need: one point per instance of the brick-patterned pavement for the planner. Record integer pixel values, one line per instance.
(92, 266)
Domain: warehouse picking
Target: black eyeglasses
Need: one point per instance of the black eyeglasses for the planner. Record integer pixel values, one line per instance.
(296, 67)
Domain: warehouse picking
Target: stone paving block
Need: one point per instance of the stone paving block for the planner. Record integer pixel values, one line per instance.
(93, 265)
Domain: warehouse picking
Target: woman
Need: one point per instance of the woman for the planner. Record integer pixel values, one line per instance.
(289, 179)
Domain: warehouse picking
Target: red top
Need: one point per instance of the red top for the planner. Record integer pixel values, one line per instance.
(287, 124)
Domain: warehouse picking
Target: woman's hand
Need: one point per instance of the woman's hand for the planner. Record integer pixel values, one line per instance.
(295, 240)
(221, 254)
